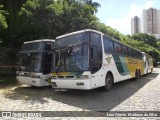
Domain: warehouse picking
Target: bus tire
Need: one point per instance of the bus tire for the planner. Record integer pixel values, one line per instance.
(137, 75)
(108, 82)
(140, 73)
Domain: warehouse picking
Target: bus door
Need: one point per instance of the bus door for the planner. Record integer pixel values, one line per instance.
(95, 59)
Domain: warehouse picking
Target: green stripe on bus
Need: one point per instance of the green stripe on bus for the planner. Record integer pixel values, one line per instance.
(121, 65)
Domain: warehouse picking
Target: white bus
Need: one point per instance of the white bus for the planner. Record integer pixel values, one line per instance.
(88, 59)
(35, 62)
(148, 63)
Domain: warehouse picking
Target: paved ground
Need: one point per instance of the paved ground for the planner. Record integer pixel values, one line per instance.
(130, 95)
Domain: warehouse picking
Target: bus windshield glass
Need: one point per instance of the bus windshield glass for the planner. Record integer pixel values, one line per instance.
(72, 40)
(74, 58)
(30, 62)
(33, 46)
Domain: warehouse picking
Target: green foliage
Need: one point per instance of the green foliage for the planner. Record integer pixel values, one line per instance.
(7, 70)
(38, 19)
(108, 31)
(9, 36)
(7, 80)
(142, 41)
(155, 53)
(158, 43)
(146, 38)
(3, 23)
(94, 5)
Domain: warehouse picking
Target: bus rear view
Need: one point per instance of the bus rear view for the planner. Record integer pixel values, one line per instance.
(35, 62)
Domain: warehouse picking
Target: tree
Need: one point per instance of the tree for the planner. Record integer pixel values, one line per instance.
(158, 45)
(36, 19)
(141, 41)
(146, 38)
(95, 5)
(49, 19)
(3, 22)
(108, 31)
(9, 35)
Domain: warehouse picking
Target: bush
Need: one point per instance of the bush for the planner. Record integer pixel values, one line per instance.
(8, 70)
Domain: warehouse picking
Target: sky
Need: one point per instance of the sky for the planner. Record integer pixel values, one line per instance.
(118, 13)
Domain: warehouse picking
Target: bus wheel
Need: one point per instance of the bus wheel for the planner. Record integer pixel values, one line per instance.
(108, 83)
(137, 75)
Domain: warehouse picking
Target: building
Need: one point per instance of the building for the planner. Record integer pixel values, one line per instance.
(151, 21)
(157, 36)
(135, 25)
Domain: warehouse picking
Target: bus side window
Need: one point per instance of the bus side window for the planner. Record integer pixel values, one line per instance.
(133, 53)
(94, 59)
(92, 53)
(140, 55)
(124, 50)
(95, 52)
(48, 46)
(47, 59)
(95, 39)
(108, 45)
(56, 59)
(117, 47)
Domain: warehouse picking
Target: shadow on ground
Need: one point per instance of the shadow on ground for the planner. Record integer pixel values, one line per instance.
(7, 81)
(95, 100)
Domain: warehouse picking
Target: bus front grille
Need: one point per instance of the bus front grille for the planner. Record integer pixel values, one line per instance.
(60, 77)
(69, 76)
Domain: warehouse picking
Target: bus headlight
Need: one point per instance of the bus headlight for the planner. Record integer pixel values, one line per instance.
(54, 77)
(49, 80)
(35, 76)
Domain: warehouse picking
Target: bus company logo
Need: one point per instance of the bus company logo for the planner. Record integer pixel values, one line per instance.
(6, 114)
(109, 59)
(132, 61)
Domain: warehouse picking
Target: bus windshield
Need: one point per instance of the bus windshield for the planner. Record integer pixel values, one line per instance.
(72, 40)
(30, 62)
(33, 46)
(74, 58)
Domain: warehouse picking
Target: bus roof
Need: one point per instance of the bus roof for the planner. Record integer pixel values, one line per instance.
(81, 31)
(42, 40)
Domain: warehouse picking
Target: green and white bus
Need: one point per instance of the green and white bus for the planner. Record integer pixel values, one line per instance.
(148, 63)
(35, 62)
(89, 59)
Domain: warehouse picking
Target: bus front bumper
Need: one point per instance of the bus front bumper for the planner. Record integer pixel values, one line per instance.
(38, 82)
(71, 84)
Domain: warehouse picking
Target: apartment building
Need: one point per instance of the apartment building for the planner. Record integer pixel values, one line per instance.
(135, 25)
(151, 21)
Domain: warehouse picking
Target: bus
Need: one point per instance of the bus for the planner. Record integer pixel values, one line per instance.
(35, 60)
(89, 59)
(148, 63)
